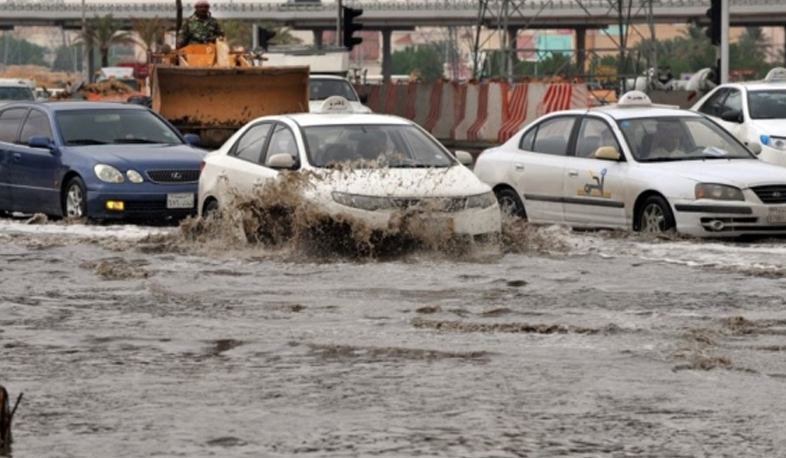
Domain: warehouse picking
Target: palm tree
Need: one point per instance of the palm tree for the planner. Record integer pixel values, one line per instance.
(239, 32)
(151, 32)
(102, 33)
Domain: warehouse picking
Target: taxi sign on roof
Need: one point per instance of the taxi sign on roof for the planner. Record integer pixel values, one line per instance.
(634, 98)
(776, 74)
(335, 104)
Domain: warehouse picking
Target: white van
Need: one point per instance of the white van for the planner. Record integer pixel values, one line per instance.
(12, 89)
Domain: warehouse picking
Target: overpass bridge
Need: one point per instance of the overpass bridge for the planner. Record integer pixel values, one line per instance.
(405, 14)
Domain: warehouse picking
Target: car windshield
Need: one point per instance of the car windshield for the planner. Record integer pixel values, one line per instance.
(108, 126)
(16, 93)
(321, 89)
(767, 104)
(676, 138)
(393, 146)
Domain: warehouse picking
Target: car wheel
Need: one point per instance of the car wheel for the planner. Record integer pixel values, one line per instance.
(655, 216)
(510, 203)
(75, 199)
(211, 208)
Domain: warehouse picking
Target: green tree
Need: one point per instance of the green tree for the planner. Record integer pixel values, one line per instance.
(426, 59)
(101, 33)
(20, 52)
(239, 33)
(68, 59)
(750, 52)
(151, 32)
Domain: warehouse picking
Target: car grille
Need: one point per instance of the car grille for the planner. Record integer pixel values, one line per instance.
(173, 176)
(775, 194)
(447, 204)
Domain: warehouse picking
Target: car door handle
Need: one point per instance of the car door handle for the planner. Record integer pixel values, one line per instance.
(17, 157)
(519, 166)
(573, 173)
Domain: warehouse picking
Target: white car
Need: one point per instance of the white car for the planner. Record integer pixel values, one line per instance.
(639, 166)
(369, 167)
(322, 87)
(753, 111)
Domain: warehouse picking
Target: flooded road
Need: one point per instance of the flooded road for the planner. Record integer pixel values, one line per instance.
(135, 342)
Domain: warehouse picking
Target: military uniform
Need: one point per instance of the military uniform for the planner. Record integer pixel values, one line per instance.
(196, 31)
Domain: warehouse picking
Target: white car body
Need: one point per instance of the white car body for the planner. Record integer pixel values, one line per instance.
(343, 191)
(733, 101)
(603, 191)
(323, 86)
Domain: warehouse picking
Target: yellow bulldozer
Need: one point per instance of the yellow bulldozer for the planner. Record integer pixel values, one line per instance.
(211, 91)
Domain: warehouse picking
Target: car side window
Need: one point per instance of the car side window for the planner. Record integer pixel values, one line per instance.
(553, 135)
(249, 146)
(528, 139)
(593, 134)
(10, 121)
(36, 125)
(713, 105)
(281, 142)
(733, 101)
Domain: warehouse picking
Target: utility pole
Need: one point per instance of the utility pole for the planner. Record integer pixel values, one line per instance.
(724, 42)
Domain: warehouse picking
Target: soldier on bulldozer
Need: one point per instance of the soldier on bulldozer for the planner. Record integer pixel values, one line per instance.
(200, 28)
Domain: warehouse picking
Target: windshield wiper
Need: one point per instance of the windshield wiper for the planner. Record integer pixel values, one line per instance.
(86, 141)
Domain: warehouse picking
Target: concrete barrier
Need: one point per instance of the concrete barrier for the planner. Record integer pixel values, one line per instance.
(423, 102)
(447, 117)
(475, 102)
(517, 107)
(487, 126)
(435, 107)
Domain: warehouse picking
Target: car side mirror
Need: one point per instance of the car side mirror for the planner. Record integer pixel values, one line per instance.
(192, 139)
(464, 157)
(363, 99)
(41, 142)
(732, 116)
(280, 161)
(607, 152)
(755, 148)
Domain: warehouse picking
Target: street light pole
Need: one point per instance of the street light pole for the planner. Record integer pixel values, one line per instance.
(85, 70)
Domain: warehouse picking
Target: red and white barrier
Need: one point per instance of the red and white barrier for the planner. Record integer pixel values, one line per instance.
(423, 103)
(447, 112)
(409, 110)
(475, 105)
(517, 107)
(486, 127)
(460, 107)
(375, 97)
(435, 108)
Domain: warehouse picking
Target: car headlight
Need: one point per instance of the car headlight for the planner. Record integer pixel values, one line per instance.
(718, 192)
(485, 200)
(778, 143)
(134, 176)
(370, 203)
(108, 174)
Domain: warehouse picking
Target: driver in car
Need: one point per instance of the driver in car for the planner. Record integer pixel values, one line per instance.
(668, 142)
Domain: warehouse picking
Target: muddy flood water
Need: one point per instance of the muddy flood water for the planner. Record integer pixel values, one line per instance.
(138, 341)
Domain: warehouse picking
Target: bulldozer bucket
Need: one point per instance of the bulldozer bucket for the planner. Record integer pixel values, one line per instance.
(214, 102)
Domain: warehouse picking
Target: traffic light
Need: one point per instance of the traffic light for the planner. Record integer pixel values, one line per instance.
(263, 36)
(714, 29)
(350, 27)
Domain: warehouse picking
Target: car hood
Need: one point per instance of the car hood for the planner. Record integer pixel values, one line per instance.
(141, 156)
(742, 173)
(434, 182)
(315, 105)
(774, 127)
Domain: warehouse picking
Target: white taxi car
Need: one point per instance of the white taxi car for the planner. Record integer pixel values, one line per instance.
(753, 111)
(366, 166)
(640, 166)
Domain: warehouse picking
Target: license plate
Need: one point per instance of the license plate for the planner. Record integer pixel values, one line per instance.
(777, 215)
(180, 200)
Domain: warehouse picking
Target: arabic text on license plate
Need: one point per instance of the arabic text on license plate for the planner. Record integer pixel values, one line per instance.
(777, 215)
(180, 200)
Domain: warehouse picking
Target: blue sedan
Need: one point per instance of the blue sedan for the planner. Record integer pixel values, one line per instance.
(95, 160)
